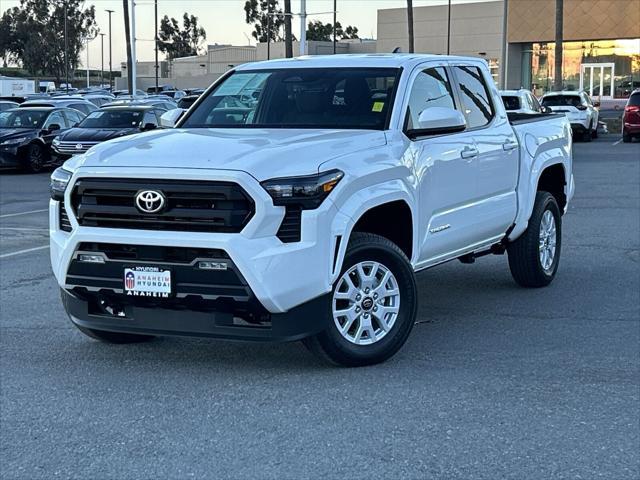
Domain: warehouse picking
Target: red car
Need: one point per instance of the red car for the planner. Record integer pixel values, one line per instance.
(631, 117)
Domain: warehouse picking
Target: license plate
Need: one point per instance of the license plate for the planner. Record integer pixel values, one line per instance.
(147, 282)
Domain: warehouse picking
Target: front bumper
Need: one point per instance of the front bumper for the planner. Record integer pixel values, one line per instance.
(281, 276)
(9, 157)
(86, 310)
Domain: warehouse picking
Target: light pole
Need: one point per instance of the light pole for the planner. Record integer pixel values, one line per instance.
(110, 73)
(133, 49)
(102, 60)
(335, 14)
(449, 28)
(66, 51)
(303, 27)
(155, 37)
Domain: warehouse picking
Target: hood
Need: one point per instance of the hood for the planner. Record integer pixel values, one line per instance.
(262, 153)
(95, 134)
(7, 133)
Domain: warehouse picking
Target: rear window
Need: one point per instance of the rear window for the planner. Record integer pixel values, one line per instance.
(113, 119)
(562, 101)
(634, 100)
(511, 102)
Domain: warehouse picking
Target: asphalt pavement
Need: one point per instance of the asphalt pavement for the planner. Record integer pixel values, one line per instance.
(495, 381)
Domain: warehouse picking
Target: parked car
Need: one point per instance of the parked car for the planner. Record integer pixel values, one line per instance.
(6, 105)
(161, 104)
(307, 215)
(187, 101)
(80, 104)
(159, 89)
(631, 117)
(175, 94)
(139, 93)
(521, 101)
(14, 99)
(193, 91)
(27, 132)
(99, 99)
(106, 124)
(580, 110)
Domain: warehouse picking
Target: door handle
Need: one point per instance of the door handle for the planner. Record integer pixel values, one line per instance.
(469, 152)
(506, 146)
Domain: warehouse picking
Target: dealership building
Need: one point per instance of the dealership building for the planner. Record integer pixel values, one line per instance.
(601, 48)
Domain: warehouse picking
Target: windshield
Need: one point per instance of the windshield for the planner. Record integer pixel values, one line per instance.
(22, 119)
(562, 101)
(299, 98)
(112, 119)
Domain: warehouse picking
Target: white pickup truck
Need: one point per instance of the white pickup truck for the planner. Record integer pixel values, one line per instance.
(297, 199)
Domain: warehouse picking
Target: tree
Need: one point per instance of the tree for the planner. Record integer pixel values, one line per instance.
(176, 42)
(127, 37)
(33, 35)
(288, 37)
(267, 18)
(410, 24)
(323, 32)
(557, 80)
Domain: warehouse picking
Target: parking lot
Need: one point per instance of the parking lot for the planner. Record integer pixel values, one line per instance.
(496, 381)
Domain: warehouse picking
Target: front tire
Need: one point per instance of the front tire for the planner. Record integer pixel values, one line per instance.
(36, 158)
(373, 305)
(535, 255)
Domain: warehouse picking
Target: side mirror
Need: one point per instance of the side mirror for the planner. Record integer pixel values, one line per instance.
(596, 104)
(438, 120)
(148, 126)
(53, 127)
(546, 110)
(170, 118)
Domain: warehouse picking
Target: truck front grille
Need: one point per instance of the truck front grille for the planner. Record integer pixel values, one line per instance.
(74, 148)
(194, 206)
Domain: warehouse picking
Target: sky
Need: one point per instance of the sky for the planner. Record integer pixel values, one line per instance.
(223, 21)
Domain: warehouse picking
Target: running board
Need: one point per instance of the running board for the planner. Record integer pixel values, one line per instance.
(496, 249)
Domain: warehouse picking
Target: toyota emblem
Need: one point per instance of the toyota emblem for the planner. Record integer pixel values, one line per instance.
(150, 201)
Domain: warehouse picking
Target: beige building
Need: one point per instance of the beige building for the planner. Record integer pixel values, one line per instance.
(601, 49)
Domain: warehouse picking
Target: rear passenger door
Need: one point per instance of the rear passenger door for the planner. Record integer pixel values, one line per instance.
(497, 152)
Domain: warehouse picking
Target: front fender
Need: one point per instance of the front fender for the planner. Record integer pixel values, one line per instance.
(357, 204)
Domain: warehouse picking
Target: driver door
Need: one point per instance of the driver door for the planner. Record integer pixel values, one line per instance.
(445, 167)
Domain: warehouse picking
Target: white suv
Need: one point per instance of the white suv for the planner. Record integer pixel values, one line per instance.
(580, 110)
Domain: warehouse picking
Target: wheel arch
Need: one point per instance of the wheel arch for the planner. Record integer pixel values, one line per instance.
(383, 209)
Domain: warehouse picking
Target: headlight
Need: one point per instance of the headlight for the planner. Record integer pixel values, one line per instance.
(56, 142)
(12, 141)
(59, 181)
(308, 191)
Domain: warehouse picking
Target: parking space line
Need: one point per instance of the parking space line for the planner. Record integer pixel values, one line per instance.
(23, 213)
(20, 252)
(616, 143)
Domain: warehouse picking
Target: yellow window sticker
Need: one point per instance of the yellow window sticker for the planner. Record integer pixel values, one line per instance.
(377, 106)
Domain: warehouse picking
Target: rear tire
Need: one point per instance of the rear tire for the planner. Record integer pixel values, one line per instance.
(535, 255)
(626, 138)
(586, 135)
(373, 305)
(594, 132)
(114, 337)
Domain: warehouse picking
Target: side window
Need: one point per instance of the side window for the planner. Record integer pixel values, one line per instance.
(475, 96)
(73, 117)
(55, 118)
(149, 117)
(431, 88)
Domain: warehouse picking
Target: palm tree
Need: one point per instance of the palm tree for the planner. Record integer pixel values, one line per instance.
(410, 24)
(557, 81)
(127, 34)
(288, 43)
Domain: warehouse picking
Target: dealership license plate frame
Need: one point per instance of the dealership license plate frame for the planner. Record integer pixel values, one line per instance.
(142, 275)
